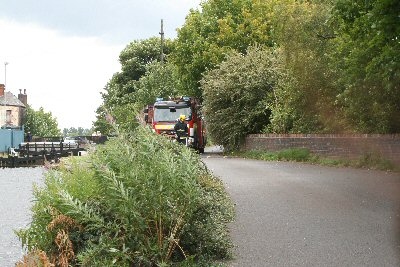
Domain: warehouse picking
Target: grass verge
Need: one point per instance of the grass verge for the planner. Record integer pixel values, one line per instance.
(368, 161)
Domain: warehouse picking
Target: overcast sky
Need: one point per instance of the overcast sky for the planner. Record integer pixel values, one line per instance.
(63, 52)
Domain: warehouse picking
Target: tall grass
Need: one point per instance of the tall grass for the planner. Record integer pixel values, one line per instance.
(139, 200)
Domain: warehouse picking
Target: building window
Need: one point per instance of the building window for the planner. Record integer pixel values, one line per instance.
(8, 117)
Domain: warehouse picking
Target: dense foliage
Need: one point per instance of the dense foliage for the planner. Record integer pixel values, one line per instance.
(141, 76)
(140, 200)
(367, 57)
(338, 61)
(41, 123)
(160, 80)
(104, 121)
(208, 35)
(238, 89)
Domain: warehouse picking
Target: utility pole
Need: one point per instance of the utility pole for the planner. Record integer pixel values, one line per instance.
(5, 83)
(162, 42)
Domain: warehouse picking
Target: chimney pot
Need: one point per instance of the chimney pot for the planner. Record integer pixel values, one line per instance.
(23, 97)
(2, 89)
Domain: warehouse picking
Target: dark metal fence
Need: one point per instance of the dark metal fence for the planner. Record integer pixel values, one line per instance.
(36, 153)
(41, 149)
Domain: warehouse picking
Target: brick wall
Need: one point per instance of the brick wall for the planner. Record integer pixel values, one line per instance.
(330, 145)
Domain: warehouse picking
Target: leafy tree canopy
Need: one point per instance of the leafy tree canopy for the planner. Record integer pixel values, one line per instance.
(41, 123)
(103, 123)
(134, 60)
(210, 34)
(306, 101)
(340, 58)
(368, 60)
(160, 80)
(119, 96)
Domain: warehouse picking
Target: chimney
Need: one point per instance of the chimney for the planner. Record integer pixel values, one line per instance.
(2, 89)
(23, 97)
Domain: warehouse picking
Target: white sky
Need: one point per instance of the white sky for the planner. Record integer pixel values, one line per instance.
(64, 52)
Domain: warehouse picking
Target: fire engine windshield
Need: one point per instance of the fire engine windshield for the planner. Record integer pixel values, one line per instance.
(171, 114)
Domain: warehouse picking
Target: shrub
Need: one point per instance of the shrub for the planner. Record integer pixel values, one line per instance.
(139, 200)
(239, 90)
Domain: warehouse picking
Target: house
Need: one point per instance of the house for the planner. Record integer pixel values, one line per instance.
(12, 117)
(12, 109)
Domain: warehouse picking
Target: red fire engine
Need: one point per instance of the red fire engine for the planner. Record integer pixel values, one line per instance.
(163, 115)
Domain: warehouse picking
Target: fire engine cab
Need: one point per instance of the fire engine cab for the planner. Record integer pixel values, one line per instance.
(163, 115)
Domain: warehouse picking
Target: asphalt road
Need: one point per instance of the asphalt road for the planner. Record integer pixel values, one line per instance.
(15, 203)
(293, 214)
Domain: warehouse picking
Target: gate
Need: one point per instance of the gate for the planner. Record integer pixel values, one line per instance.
(10, 138)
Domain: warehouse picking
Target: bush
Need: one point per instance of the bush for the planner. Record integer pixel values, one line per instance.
(238, 90)
(139, 200)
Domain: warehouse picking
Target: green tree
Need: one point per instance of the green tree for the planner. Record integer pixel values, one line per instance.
(301, 31)
(305, 102)
(120, 92)
(368, 61)
(160, 80)
(103, 122)
(134, 60)
(209, 34)
(41, 123)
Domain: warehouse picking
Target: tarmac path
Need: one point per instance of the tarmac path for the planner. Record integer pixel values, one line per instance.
(15, 203)
(293, 214)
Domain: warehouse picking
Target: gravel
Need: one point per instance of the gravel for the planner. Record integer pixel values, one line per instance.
(16, 197)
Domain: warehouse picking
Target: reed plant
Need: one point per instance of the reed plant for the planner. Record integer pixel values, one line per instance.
(138, 200)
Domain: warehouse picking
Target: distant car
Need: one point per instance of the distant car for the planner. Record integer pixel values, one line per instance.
(76, 140)
(70, 140)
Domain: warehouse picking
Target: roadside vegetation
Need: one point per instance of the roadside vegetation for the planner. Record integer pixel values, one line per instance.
(138, 200)
(369, 161)
(270, 67)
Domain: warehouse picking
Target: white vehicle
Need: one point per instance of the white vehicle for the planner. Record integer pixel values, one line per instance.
(70, 140)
